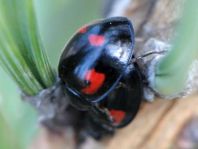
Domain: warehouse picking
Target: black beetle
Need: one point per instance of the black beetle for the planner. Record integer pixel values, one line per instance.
(99, 74)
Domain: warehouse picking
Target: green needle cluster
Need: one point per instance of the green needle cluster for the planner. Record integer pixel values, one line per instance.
(172, 72)
(21, 52)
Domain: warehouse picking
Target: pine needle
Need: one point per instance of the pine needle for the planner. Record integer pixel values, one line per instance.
(173, 71)
(21, 52)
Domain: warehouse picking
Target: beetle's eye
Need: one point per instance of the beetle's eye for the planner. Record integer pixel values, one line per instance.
(95, 58)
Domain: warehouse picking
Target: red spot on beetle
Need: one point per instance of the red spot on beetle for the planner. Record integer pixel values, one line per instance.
(83, 30)
(96, 40)
(117, 115)
(95, 79)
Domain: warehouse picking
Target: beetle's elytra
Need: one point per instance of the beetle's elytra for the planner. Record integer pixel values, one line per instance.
(97, 71)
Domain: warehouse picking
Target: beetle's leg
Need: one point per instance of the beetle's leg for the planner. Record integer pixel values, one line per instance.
(147, 59)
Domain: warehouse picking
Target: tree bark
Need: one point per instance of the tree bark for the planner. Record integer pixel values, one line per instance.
(161, 124)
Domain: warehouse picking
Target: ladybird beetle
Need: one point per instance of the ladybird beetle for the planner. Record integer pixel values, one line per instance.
(98, 73)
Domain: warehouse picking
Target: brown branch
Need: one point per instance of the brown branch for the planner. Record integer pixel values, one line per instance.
(158, 124)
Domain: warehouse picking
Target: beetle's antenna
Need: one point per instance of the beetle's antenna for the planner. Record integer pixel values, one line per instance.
(149, 54)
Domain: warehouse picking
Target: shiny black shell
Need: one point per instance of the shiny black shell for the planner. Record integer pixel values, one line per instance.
(98, 74)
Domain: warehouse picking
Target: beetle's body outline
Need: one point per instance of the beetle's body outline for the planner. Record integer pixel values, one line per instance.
(110, 44)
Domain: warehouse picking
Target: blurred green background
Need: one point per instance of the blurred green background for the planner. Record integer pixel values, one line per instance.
(57, 21)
